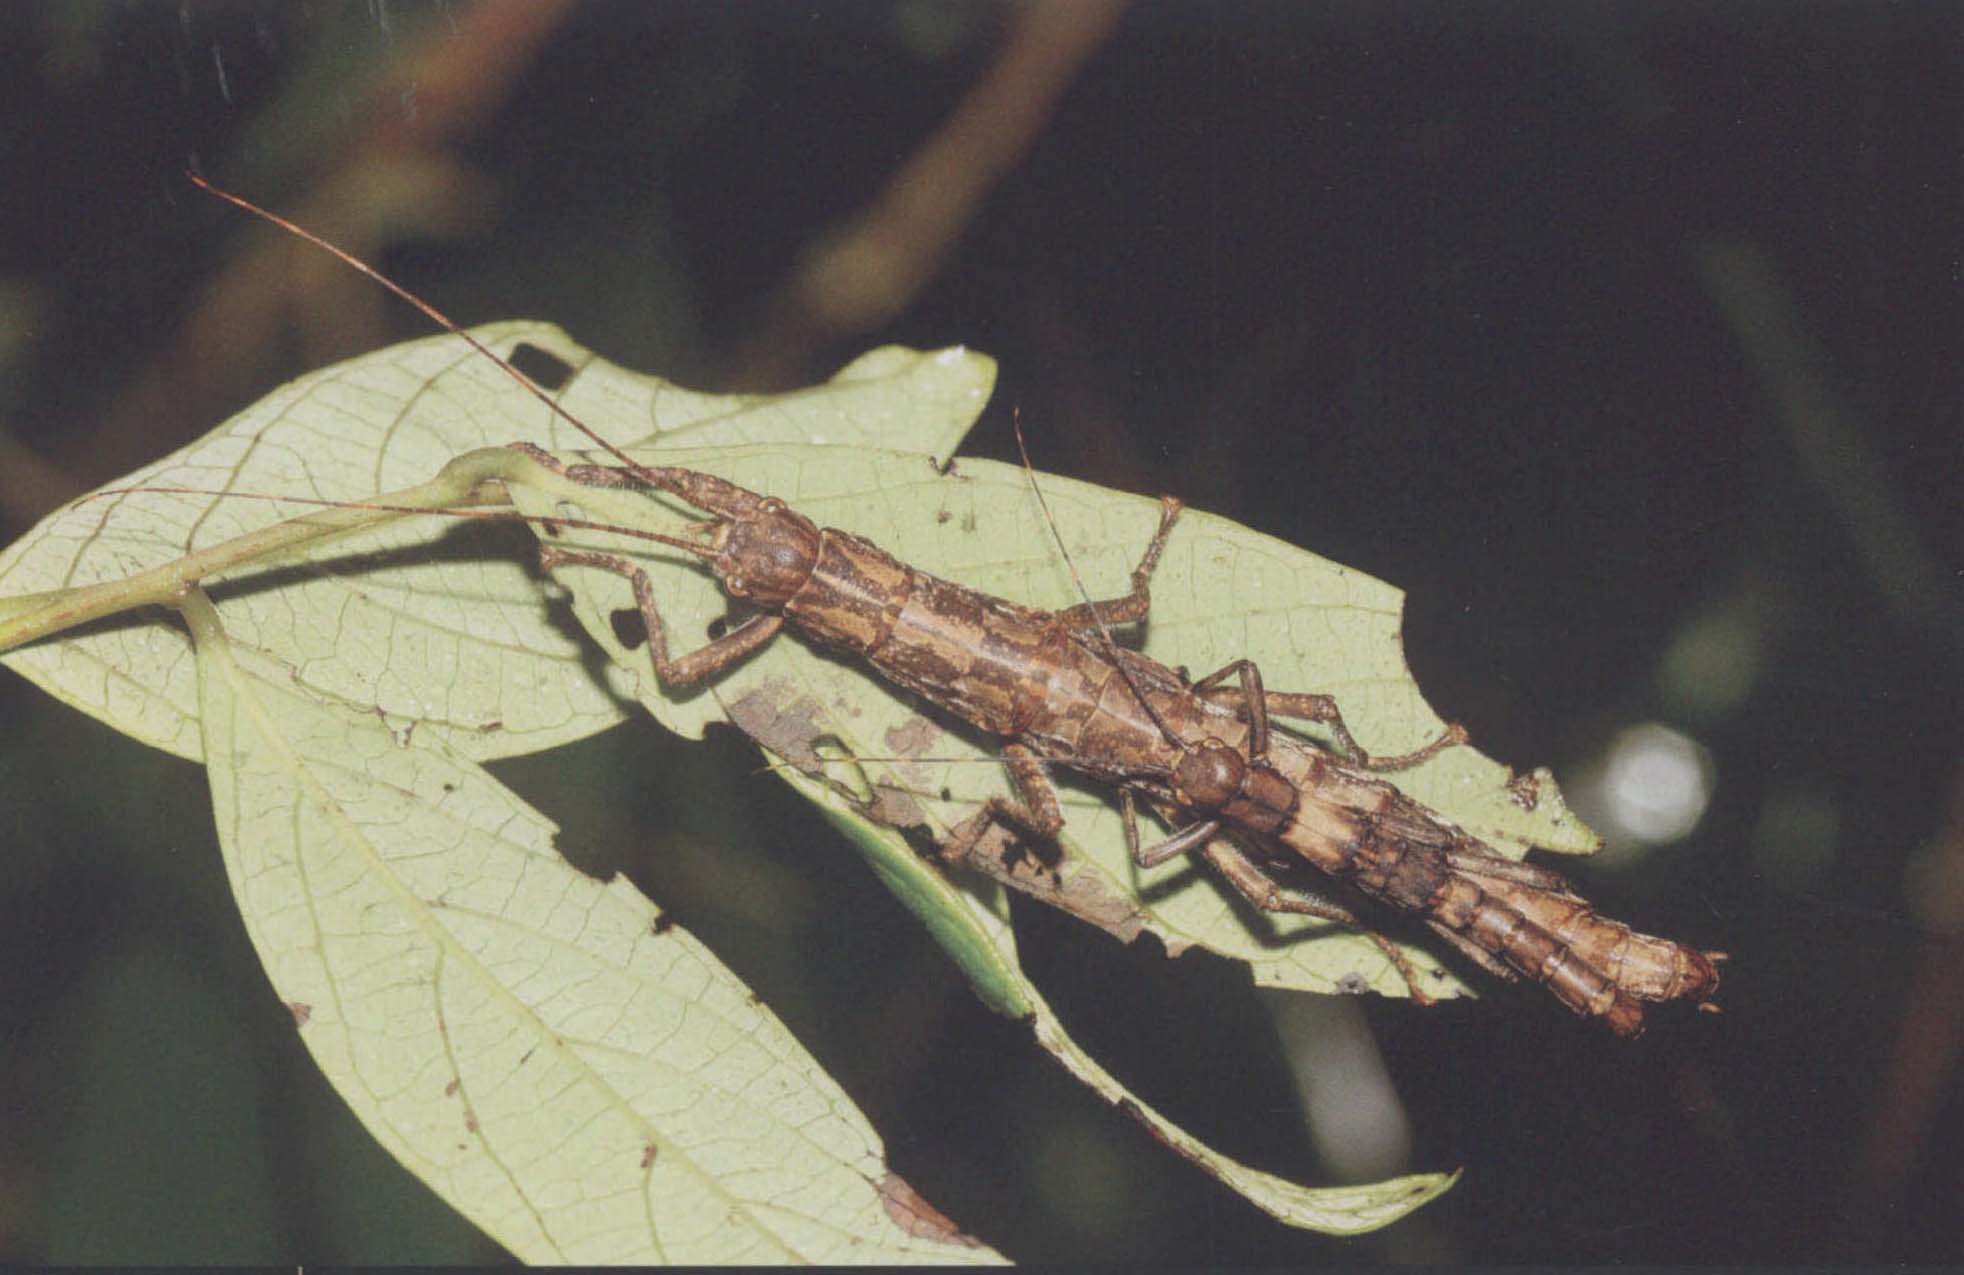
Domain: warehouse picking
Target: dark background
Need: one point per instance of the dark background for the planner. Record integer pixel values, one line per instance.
(1624, 337)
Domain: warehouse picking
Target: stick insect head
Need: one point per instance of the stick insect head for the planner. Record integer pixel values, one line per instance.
(766, 554)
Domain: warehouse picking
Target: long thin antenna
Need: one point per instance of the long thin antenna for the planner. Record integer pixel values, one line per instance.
(1104, 630)
(527, 383)
(481, 515)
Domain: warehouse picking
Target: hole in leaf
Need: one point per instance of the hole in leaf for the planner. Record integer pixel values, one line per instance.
(718, 627)
(842, 770)
(549, 370)
(627, 626)
(920, 841)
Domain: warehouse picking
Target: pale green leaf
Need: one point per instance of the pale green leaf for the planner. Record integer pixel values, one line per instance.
(583, 1082)
(423, 620)
(1221, 591)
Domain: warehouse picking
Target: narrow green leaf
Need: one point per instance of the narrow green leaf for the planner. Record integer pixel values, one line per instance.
(423, 620)
(1342, 1210)
(971, 924)
(578, 1077)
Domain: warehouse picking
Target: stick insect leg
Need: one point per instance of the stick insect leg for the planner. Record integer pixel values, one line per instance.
(1258, 704)
(1181, 842)
(1134, 605)
(718, 496)
(585, 475)
(1039, 817)
(1258, 888)
(1473, 952)
(687, 670)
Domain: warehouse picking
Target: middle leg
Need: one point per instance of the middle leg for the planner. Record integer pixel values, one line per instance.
(1257, 704)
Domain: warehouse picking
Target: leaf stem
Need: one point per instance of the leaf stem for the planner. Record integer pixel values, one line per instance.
(470, 480)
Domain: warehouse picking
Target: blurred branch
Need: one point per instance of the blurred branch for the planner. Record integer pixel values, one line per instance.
(859, 278)
(1915, 1084)
(387, 177)
(1792, 366)
(29, 485)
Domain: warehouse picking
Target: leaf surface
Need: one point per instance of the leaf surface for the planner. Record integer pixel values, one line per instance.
(581, 1079)
(424, 620)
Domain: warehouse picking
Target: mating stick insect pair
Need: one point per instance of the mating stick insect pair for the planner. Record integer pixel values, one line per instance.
(1056, 687)
(1058, 690)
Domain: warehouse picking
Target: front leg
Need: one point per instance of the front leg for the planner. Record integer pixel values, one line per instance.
(1182, 841)
(707, 492)
(703, 662)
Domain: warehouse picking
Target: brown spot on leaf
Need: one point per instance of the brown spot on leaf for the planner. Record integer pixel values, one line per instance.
(301, 1012)
(916, 1216)
(914, 739)
(470, 1120)
(450, 1090)
(791, 725)
(895, 807)
(782, 719)
(1001, 855)
(648, 1156)
(1085, 895)
(1525, 791)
